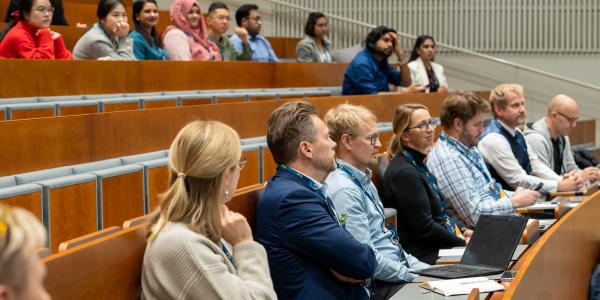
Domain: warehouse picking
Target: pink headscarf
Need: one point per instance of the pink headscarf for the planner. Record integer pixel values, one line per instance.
(200, 46)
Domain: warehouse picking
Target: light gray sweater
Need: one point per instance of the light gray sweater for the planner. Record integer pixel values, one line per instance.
(538, 137)
(182, 264)
(95, 44)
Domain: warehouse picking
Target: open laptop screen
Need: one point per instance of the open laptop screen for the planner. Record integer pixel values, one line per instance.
(494, 240)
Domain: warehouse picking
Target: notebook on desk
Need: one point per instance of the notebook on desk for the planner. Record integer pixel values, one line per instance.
(488, 252)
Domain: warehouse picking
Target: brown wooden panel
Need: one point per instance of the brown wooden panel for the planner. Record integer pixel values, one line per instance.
(584, 133)
(284, 47)
(259, 98)
(270, 166)
(245, 202)
(78, 241)
(158, 183)
(309, 74)
(72, 212)
(31, 202)
(122, 198)
(78, 110)
(566, 273)
(249, 174)
(229, 100)
(1, 115)
(121, 107)
(160, 104)
(190, 102)
(32, 113)
(109, 268)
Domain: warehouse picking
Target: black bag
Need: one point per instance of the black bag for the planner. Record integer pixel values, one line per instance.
(585, 158)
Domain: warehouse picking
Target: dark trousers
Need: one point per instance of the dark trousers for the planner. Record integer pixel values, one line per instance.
(382, 290)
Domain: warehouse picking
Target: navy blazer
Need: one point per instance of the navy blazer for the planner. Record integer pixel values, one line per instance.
(304, 241)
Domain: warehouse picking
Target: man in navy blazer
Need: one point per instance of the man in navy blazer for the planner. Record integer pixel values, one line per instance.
(311, 256)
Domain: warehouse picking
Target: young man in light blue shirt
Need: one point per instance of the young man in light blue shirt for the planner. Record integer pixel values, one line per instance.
(354, 129)
(248, 17)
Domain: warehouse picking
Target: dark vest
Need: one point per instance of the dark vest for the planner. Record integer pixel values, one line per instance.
(519, 150)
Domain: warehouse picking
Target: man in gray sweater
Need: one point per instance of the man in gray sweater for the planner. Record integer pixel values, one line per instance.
(549, 139)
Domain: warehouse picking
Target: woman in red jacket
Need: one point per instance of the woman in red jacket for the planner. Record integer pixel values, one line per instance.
(28, 35)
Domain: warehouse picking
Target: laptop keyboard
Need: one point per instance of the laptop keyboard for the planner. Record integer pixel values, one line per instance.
(459, 271)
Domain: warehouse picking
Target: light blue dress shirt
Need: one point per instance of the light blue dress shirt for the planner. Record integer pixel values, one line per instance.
(261, 48)
(366, 222)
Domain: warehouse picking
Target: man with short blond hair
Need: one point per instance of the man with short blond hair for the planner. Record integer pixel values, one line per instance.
(354, 129)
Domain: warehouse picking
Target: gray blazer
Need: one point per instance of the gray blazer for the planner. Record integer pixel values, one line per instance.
(307, 51)
(95, 44)
(539, 138)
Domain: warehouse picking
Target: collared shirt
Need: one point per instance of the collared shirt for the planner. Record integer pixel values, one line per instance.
(228, 52)
(261, 48)
(463, 183)
(366, 75)
(366, 222)
(496, 151)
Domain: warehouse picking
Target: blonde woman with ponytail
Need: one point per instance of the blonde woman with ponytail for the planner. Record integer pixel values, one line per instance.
(424, 225)
(197, 248)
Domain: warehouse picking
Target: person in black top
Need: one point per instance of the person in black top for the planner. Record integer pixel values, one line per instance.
(424, 225)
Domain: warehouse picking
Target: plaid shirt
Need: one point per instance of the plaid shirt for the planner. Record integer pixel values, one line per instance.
(463, 183)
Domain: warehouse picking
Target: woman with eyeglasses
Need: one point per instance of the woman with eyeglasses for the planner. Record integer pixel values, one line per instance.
(198, 248)
(424, 224)
(315, 47)
(22, 273)
(147, 44)
(187, 38)
(28, 34)
(107, 39)
(423, 70)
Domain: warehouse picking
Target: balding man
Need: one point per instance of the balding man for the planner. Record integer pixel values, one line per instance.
(549, 139)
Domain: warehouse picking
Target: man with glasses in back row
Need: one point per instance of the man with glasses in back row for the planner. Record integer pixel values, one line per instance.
(248, 17)
(548, 138)
(218, 24)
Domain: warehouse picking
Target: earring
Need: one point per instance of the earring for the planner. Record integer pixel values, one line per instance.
(226, 193)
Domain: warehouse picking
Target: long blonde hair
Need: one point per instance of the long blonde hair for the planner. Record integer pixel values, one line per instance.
(402, 119)
(198, 158)
(21, 234)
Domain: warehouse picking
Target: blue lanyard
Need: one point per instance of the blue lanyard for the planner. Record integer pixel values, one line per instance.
(378, 205)
(494, 187)
(228, 254)
(448, 222)
(313, 186)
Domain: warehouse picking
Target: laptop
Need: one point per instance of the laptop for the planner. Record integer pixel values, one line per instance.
(488, 252)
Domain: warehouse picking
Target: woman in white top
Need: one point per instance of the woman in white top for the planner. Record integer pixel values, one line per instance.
(423, 70)
(197, 248)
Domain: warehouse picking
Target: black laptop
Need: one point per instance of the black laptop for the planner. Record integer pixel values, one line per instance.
(488, 252)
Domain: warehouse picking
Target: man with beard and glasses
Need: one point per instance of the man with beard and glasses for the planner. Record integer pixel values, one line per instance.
(509, 157)
(459, 169)
(248, 17)
(549, 138)
(370, 73)
(311, 256)
(354, 129)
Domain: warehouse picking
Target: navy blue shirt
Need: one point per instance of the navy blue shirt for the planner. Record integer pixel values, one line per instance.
(366, 75)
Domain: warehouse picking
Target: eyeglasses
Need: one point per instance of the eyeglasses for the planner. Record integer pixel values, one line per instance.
(242, 162)
(257, 19)
(570, 119)
(42, 10)
(423, 126)
(373, 138)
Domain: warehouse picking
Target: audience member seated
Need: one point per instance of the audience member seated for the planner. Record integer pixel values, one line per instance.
(314, 47)
(424, 225)
(28, 34)
(147, 44)
(217, 23)
(248, 17)
(354, 129)
(198, 248)
(504, 148)
(107, 39)
(370, 73)
(549, 138)
(462, 176)
(423, 70)
(58, 18)
(187, 39)
(22, 273)
(311, 255)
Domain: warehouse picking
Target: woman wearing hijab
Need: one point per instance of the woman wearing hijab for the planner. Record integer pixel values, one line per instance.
(187, 38)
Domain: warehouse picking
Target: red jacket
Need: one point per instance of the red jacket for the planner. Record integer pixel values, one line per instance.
(22, 42)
